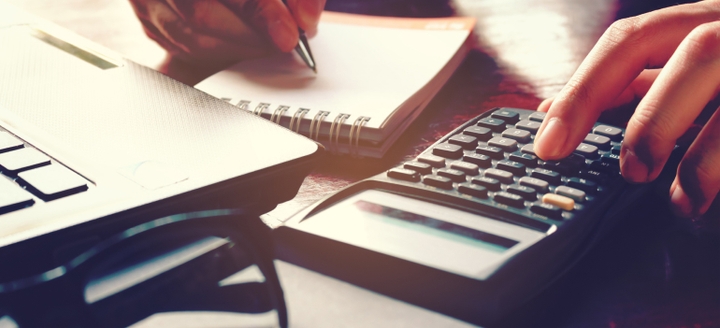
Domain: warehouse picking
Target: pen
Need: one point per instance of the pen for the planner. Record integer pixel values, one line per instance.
(303, 49)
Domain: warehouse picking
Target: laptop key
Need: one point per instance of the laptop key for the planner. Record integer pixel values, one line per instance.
(13, 197)
(52, 181)
(22, 159)
(9, 142)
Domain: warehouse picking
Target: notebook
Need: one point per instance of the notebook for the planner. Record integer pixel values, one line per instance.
(91, 143)
(375, 76)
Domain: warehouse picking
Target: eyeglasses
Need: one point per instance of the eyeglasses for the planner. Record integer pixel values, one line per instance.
(176, 263)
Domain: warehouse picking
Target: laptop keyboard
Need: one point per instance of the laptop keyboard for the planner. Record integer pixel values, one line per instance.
(30, 177)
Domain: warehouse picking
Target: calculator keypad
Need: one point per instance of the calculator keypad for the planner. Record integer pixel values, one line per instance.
(491, 160)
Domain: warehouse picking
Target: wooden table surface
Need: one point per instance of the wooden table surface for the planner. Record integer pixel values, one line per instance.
(655, 270)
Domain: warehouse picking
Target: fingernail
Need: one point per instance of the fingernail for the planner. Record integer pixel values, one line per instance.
(631, 167)
(551, 139)
(681, 202)
(283, 34)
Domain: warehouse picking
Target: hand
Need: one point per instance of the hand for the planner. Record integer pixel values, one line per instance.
(224, 31)
(671, 59)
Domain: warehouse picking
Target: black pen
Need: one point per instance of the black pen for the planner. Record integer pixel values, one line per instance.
(303, 49)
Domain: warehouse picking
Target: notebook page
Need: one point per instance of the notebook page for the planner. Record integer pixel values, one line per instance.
(366, 67)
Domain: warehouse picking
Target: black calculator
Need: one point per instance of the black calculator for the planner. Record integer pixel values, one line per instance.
(473, 227)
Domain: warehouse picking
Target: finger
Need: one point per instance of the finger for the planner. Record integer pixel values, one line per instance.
(637, 89)
(545, 104)
(680, 92)
(627, 48)
(270, 18)
(306, 13)
(698, 176)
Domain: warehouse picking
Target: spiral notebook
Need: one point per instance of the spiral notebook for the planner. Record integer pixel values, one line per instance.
(375, 76)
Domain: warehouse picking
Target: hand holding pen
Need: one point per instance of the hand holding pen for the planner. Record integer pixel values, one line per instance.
(225, 31)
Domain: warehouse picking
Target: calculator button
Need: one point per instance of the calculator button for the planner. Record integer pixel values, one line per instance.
(613, 133)
(551, 177)
(560, 201)
(575, 194)
(473, 190)
(588, 151)
(518, 135)
(574, 161)
(452, 174)
(582, 184)
(483, 134)
(500, 175)
(537, 116)
(492, 152)
(615, 150)
(611, 159)
(465, 141)
(535, 183)
(490, 183)
(52, 181)
(509, 199)
(596, 176)
(9, 142)
(22, 159)
(505, 144)
(435, 161)
(506, 115)
(438, 181)
(548, 210)
(559, 167)
(483, 161)
(422, 168)
(527, 159)
(12, 196)
(528, 149)
(526, 125)
(493, 124)
(601, 142)
(604, 167)
(468, 168)
(448, 151)
(525, 192)
(404, 174)
(512, 167)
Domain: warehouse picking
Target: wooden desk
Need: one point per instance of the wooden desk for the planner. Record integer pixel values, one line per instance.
(654, 271)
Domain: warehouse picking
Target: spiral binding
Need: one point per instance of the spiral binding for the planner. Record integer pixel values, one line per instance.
(297, 117)
(356, 127)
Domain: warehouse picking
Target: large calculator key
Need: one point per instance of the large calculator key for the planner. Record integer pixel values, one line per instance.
(506, 115)
(493, 124)
(527, 159)
(12, 196)
(53, 181)
(9, 142)
(582, 184)
(492, 152)
(515, 168)
(518, 135)
(452, 174)
(560, 201)
(528, 149)
(522, 191)
(434, 161)
(500, 175)
(601, 142)
(482, 133)
(509, 199)
(507, 145)
(480, 160)
(535, 183)
(548, 210)
(613, 133)
(489, 183)
(468, 168)
(448, 150)
(527, 125)
(22, 159)
(586, 150)
(465, 141)
(473, 190)
(422, 168)
(575, 194)
(537, 116)
(438, 181)
(404, 174)
(551, 177)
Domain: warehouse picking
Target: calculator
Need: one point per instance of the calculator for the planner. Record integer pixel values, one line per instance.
(473, 227)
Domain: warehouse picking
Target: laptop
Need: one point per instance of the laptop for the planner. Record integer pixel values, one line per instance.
(91, 143)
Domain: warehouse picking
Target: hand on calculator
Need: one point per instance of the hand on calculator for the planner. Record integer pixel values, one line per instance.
(670, 58)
